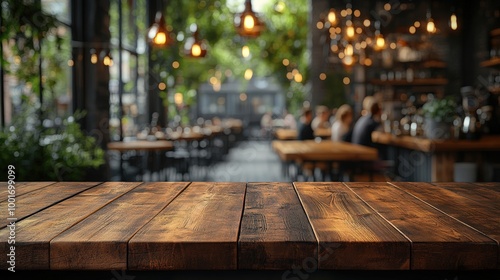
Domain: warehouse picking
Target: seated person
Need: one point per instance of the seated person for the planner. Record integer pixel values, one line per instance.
(322, 119)
(362, 132)
(342, 125)
(305, 130)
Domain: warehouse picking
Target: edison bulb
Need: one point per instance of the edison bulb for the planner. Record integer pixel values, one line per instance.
(248, 22)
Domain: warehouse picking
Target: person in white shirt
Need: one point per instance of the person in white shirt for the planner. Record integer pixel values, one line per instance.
(342, 124)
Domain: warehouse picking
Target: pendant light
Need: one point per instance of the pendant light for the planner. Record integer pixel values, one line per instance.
(248, 23)
(194, 47)
(158, 34)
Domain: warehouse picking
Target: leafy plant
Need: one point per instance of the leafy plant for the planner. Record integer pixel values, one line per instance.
(440, 110)
(42, 151)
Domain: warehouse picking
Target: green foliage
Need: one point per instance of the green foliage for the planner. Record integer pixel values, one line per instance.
(285, 37)
(58, 153)
(442, 110)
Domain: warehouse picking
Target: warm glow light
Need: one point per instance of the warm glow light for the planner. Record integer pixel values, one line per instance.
(332, 18)
(359, 30)
(245, 51)
(298, 78)
(196, 50)
(380, 41)
(431, 27)
(348, 60)
(217, 87)
(249, 22)
(295, 71)
(343, 13)
(393, 45)
(243, 97)
(319, 25)
(286, 62)
(357, 13)
(341, 55)
(93, 58)
(322, 76)
(366, 22)
(248, 74)
(453, 22)
(349, 51)
(363, 44)
(289, 75)
(412, 29)
(350, 31)
(160, 38)
(178, 98)
(346, 80)
(368, 62)
(176, 64)
(162, 86)
(71, 63)
(280, 7)
(107, 61)
(214, 80)
(387, 6)
(334, 48)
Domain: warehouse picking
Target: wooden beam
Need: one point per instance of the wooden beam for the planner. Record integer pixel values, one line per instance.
(350, 233)
(198, 230)
(100, 241)
(275, 232)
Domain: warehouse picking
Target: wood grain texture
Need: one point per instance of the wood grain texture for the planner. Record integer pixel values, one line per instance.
(40, 199)
(352, 235)
(22, 188)
(33, 234)
(100, 241)
(438, 240)
(481, 204)
(198, 230)
(275, 232)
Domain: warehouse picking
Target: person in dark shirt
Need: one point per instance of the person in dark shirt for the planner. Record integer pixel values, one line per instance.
(305, 130)
(362, 132)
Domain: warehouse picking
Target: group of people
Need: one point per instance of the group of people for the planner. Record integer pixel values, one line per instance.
(342, 128)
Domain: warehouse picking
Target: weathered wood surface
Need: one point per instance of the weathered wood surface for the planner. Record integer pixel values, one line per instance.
(275, 232)
(198, 230)
(37, 200)
(439, 241)
(257, 226)
(352, 235)
(33, 234)
(22, 188)
(100, 241)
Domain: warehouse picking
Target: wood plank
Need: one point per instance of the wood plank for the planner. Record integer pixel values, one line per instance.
(100, 241)
(438, 240)
(275, 232)
(22, 188)
(198, 230)
(33, 234)
(354, 235)
(40, 199)
(483, 212)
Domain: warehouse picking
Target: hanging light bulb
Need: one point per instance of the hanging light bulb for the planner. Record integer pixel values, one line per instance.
(350, 31)
(379, 41)
(349, 50)
(107, 60)
(453, 21)
(431, 27)
(158, 34)
(248, 74)
(194, 47)
(248, 23)
(332, 18)
(93, 56)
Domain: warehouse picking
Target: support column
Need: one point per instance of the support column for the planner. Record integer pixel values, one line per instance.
(316, 48)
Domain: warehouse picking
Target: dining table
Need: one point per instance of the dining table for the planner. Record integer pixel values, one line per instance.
(325, 151)
(291, 134)
(150, 147)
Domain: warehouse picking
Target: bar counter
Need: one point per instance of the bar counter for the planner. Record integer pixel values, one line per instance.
(186, 226)
(433, 160)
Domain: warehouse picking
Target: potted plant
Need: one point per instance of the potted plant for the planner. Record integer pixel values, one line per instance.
(439, 115)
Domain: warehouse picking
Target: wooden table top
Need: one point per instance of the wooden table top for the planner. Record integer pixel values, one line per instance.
(141, 145)
(486, 143)
(325, 150)
(291, 134)
(258, 226)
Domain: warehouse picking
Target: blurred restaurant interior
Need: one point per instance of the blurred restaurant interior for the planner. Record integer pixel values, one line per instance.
(240, 90)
